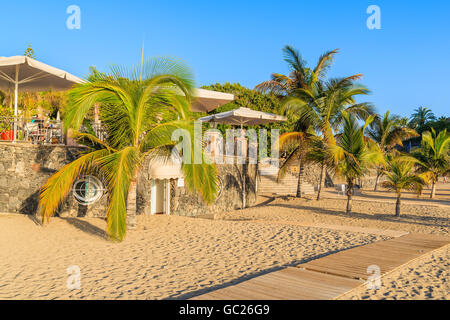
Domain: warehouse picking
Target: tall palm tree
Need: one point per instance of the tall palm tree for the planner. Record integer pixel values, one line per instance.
(321, 108)
(139, 111)
(388, 133)
(354, 154)
(300, 76)
(400, 176)
(433, 156)
(421, 116)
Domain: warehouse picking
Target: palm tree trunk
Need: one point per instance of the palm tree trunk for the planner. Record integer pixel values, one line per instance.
(322, 180)
(349, 196)
(300, 179)
(397, 205)
(131, 205)
(433, 190)
(377, 180)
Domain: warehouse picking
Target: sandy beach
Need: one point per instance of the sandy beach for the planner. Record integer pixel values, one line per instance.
(167, 257)
(171, 257)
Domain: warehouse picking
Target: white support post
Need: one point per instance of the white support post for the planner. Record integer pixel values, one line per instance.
(16, 96)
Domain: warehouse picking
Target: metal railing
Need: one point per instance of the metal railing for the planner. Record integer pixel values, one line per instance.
(34, 130)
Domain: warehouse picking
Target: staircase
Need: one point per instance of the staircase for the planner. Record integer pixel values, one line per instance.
(268, 184)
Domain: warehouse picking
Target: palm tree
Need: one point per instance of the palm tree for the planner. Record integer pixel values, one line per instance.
(421, 116)
(388, 133)
(139, 111)
(354, 154)
(433, 156)
(321, 108)
(298, 143)
(300, 75)
(400, 176)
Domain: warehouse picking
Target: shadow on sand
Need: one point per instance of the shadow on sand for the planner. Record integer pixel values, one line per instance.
(86, 227)
(405, 218)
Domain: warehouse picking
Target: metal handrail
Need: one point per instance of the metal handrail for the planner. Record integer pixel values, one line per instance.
(32, 130)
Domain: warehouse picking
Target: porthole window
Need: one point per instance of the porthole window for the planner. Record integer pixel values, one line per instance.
(88, 190)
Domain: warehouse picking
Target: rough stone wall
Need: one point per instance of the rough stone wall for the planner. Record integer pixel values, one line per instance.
(24, 168)
(186, 203)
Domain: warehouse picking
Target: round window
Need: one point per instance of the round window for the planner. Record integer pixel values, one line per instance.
(88, 190)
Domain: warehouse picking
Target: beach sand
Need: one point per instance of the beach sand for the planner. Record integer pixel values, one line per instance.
(425, 278)
(368, 214)
(171, 257)
(166, 257)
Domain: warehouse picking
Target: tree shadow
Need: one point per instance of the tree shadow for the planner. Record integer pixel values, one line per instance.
(405, 218)
(87, 227)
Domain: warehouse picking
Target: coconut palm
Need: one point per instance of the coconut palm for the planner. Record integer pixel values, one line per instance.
(400, 176)
(354, 154)
(299, 144)
(300, 75)
(321, 108)
(388, 133)
(139, 111)
(421, 116)
(433, 156)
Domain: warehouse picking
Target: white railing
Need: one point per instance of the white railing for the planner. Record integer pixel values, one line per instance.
(31, 130)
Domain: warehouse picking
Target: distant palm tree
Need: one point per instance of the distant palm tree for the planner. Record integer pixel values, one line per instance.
(421, 116)
(139, 111)
(354, 154)
(433, 156)
(400, 176)
(300, 76)
(388, 133)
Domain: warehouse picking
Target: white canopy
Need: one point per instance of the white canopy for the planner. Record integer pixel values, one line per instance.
(208, 100)
(32, 75)
(243, 116)
(162, 168)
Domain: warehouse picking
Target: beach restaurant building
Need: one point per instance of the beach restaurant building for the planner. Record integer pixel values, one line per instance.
(31, 150)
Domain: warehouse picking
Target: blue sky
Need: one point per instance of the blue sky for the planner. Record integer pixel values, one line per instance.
(405, 64)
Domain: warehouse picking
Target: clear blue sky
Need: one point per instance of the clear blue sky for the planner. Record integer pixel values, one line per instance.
(406, 64)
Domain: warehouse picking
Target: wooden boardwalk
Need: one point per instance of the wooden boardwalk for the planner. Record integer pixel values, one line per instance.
(334, 275)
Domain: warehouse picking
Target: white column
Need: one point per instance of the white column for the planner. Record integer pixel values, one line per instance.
(16, 94)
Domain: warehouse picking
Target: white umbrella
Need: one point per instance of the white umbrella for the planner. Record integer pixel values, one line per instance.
(243, 116)
(32, 76)
(208, 100)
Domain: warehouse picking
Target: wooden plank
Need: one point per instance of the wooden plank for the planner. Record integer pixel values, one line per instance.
(331, 276)
(387, 255)
(286, 284)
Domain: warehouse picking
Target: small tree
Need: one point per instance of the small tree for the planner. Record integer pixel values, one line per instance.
(354, 154)
(400, 176)
(388, 132)
(29, 52)
(433, 156)
(299, 144)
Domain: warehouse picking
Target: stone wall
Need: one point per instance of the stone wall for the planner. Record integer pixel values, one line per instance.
(24, 168)
(230, 198)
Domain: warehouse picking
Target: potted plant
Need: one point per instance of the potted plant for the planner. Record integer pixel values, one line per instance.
(6, 124)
